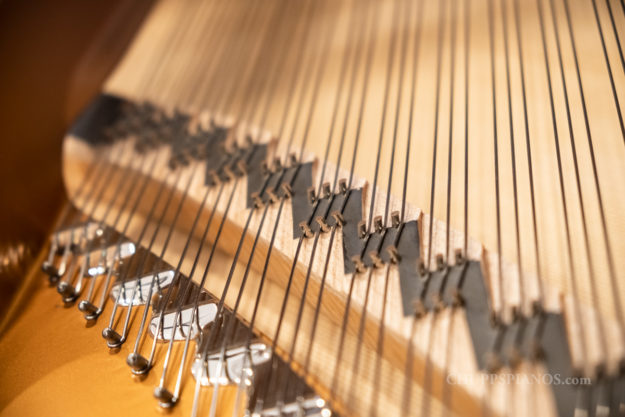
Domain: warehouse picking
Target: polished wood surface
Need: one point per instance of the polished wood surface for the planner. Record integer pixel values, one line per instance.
(55, 57)
(53, 365)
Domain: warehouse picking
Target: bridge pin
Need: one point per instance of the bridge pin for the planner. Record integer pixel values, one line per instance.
(287, 191)
(359, 265)
(378, 226)
(459, 257)
(326, 190)
(273, 197)
(51, 271)
(258, 202)
(68, 292)
(264, 169)
(393, 254)
(113, 339)
(375, 258)
(165, 398)
(338, 217)
(419, 308)
(306, 229)
(90, 311)
(395, 219)
(277, 165)
(422, 270)
(242, 167)
(139, 365)
(343, 186)
(362, 229)
(440, 262)
(322, 224)
(312, 197)
(457, 298)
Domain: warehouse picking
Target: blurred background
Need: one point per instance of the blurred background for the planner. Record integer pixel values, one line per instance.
(54, 55)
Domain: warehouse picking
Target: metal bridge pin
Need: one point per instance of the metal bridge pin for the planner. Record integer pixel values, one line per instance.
(230, 174)
(360, 266)
(264, 169)
(437, 302)
(90, 311)
(113, 339)
(273, 197)
(305, 229)
(213, 178)
(418, 307)
(242, 167)
(277, 165)
(52, 271)
(395, 219)
(75, 247)
(457, 300)
(393, 254)
(287, 190)
(165, 398)
(322, 224)
(326, 190)
(362, 229)
(459, 257)
(343, 186)
(421, 267)
(494, 319)
(338, 217)
(68, 293)
(440, 262)
(258, 202)
(312, 196)
(60, 249)
(375, 258)
(139, 365)
(378, 226)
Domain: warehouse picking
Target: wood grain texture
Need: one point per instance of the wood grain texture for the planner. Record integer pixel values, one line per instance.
(164, 67)
(178, 83)
(428, 338)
